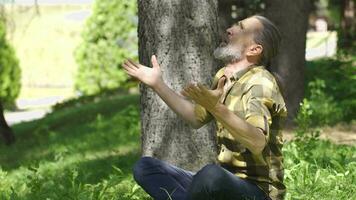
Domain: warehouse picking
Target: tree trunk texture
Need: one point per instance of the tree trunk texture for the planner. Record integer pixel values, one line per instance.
(183, 34)
(5, 130)
(348, 24)
(291, 17)
(225, 17)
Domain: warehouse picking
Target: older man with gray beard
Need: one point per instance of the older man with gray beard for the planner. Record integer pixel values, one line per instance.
(247, 104)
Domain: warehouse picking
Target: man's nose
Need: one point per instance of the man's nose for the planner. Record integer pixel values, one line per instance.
(229, 32)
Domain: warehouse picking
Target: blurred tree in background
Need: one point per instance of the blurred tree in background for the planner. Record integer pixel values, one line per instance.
(340, 15)
(110, 35)
(347, 31)
(10, 79)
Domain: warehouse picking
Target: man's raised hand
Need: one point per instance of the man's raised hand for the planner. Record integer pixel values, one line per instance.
(204, 96)
(147, 75)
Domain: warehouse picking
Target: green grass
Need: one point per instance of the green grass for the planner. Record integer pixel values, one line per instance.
(87, 150)
(83, 152)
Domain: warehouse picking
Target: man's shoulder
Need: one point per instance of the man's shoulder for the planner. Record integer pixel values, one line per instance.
(216, 77)
(260, 76)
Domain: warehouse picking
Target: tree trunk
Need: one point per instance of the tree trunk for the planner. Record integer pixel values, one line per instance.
(348, 25)
(5, 130)
(183, 35)
(291, 17)
(225, 15)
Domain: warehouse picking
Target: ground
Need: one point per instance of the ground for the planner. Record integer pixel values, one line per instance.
(338, 134)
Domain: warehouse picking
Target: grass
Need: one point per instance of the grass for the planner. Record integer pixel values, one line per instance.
(83, 152)
(87, 152)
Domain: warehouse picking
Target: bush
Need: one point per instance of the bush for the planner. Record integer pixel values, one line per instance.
(10, 73)
(330, 90)
(314, 168)
(109, 36)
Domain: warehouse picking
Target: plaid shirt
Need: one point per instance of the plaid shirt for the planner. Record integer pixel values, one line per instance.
(253, 95)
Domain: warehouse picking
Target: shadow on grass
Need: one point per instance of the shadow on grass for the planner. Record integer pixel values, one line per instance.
(93, 127)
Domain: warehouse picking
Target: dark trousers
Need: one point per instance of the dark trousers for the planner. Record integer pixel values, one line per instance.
(164, 181)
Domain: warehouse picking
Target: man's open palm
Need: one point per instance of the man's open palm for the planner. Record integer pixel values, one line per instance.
(147, 75)
(203, 95)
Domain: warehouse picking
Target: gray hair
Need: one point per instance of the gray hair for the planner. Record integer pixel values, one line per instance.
(269, 37)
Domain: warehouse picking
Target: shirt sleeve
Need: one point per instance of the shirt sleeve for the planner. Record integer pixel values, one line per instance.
(258, 102)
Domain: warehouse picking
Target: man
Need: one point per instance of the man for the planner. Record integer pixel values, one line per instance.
(246, 102)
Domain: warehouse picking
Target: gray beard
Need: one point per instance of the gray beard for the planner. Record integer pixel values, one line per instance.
(228, 54)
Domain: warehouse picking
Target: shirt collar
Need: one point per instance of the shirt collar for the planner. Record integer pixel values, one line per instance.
(237, 75)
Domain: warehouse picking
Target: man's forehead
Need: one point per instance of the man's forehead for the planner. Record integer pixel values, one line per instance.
(251, 23)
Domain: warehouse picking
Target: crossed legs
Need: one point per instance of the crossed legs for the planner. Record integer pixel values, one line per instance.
(212, 182)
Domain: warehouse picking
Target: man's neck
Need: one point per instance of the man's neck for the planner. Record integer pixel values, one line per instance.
(233, 67)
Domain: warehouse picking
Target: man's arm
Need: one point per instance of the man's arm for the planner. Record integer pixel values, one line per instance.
(248, 135)
(179, 104)
(253, 131)
(152, 77)
(193, 113)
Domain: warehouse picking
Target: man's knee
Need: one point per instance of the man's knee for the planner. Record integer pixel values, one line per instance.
(210, 178)
(141, 165)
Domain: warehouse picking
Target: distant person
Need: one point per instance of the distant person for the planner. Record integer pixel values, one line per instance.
(321, 25)
(246, 102)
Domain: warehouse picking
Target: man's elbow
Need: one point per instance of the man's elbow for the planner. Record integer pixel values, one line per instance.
(259, 145)
(257, 149)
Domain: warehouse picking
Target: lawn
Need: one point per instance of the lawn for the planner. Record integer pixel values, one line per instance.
(86, 151)
(80, 152)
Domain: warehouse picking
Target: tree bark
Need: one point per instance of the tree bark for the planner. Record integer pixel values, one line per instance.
(292, 19)
(5, 130)
(348, 25)
(183, 35)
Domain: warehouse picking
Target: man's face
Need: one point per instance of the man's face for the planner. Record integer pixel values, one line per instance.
(236, 41)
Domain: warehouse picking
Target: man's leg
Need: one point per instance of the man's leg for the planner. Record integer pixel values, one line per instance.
(214, 182)
(159, 178)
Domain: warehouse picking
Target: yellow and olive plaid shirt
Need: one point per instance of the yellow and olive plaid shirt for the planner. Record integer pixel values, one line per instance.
(253, 95)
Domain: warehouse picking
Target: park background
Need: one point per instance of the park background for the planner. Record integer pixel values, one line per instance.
(73, 115)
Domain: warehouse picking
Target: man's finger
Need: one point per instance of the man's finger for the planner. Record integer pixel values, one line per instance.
(185, 94)
(154, 61)
(221, 83)
(130, 68)
(133, 63)
(130, 65)
(202, 87)
(190, 88)
(192, 92)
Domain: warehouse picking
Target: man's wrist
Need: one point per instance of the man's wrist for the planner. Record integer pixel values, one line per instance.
(158, 86)
(218, 108)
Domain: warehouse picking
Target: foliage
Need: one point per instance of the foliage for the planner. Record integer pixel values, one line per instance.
(109, 36)
(10, 73)
(330, 90)
(314, 168)
(318, 169)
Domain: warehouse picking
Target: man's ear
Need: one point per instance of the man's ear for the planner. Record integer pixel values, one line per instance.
(254, 50)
